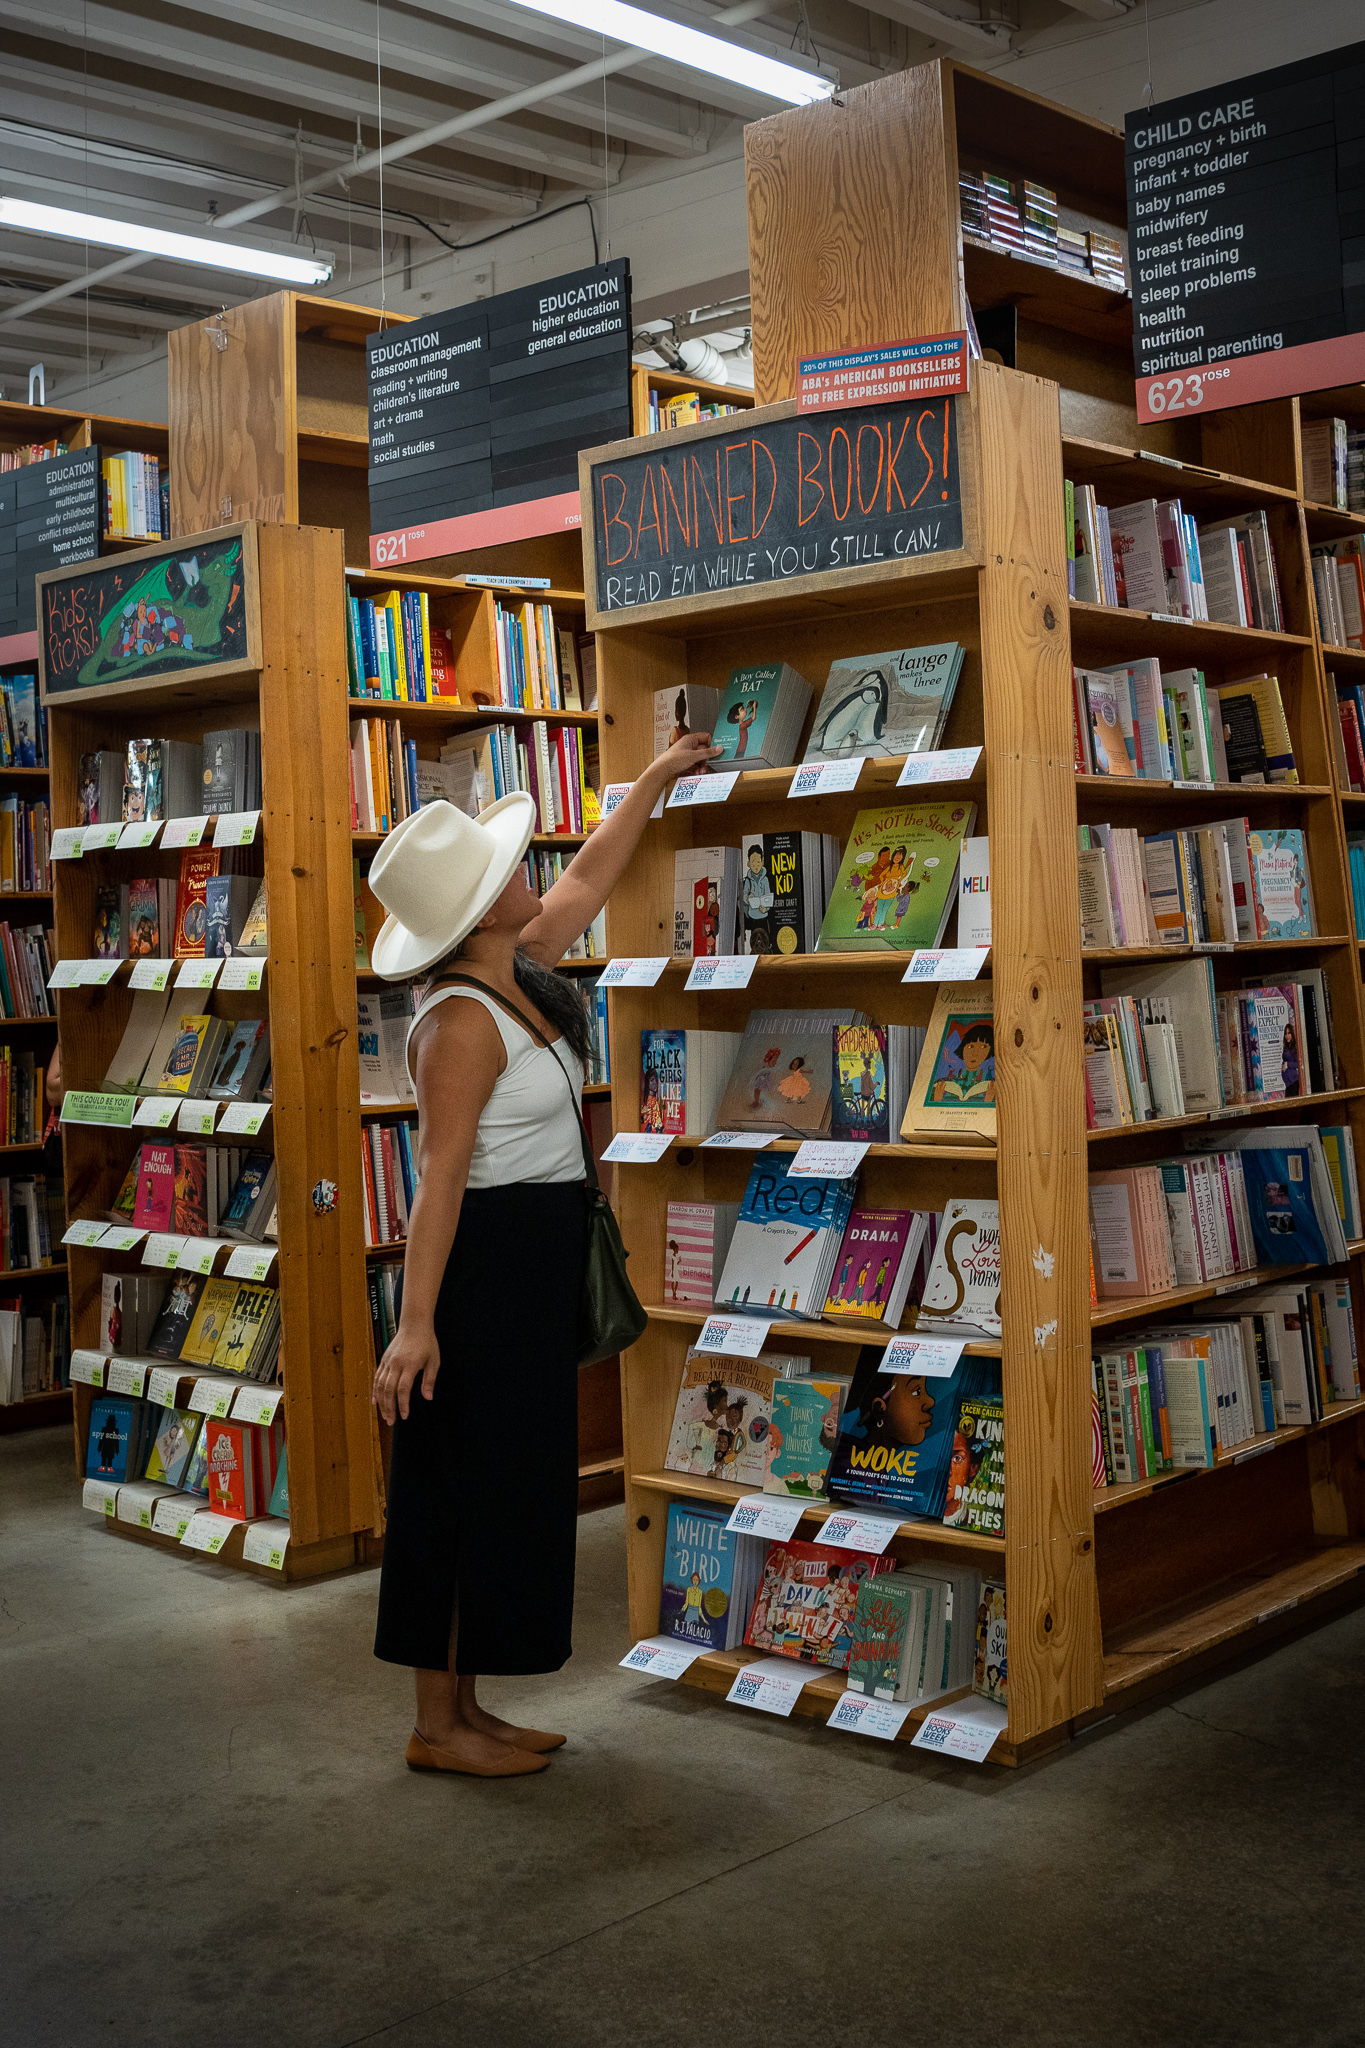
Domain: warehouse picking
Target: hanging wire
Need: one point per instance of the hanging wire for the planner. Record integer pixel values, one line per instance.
(379, 104)
(1147, 19)
(606, 169)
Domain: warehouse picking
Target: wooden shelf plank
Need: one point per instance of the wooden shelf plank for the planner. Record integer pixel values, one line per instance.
(1105, 626)
(1065, 299)
(1350, 657)
(818, 1333)
(1142, 792)
(455, 586)
(1107, 1312)
(1133, 473)
(1125, 1491)
(1222, 1117)
(444, 713)
(17, 1276)
(542, 839)
(689, 1486)
(26, 775)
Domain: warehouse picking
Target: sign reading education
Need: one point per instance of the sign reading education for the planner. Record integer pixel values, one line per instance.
(903, 370)
(1246, 233)
(788, 496)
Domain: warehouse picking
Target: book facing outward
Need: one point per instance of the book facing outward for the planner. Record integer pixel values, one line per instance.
(722, 1418)
(876, 1264)
(696, 1239)
(760, 717)
(896, 1433)
(785, 880)
(781, 1257)
(805, 1429)
(897, 883)
(682, 1075)
(962, 1291)
(688, 708)
(805, 1604)
(886, 704)
(709, 1577)
(705, 893)
(912, 1637)
(873, 1064)
(197, 865)
(953, 1092)
(782, 1076)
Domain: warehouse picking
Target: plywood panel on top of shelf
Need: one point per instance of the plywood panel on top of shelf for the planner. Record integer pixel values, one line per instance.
(233, 417)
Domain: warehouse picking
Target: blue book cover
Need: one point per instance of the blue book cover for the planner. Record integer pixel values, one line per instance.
(745, 710)
(112, 1432)
(247, 1189)
(699, 1574)
(1279, 871)
(1280, 1196)
(781, 1255)
(23, 704)
(896, 1433)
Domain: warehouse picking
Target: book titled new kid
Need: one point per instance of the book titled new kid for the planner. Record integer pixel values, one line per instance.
(897, 882)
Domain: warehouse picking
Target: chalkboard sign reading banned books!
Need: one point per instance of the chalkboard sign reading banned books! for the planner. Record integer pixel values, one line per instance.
(788, 495)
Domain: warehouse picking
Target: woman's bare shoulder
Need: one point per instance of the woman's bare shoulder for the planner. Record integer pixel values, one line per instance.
(463, 1029)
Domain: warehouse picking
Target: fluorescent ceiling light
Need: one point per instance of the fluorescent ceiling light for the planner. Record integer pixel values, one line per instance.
(126, 234)
(690, 46)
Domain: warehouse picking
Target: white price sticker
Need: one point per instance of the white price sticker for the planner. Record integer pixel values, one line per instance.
(97, 973)
(242, 971)
(724, 970)
(823, 1159)
(257, 1404)
(661, 1657)
(85, 1232)
(66, 974)
(642, 1148)
(125, 1376)
(826, 778)
(100, 1495)
(265, 1543)
(859, 1715)
(766, 1514)
(773, 1685)
(736, 1336)
(250, 1262)
(163, 1383)
(966, 1729)
(197, 1254)
(852, 1529)
(614, 795)
(65, 843)
(161, 1250)
(213, 1397)
(701, 789)
(151, 974)
(96, 838)
(196, 1118)
(156, 1112)
(931, 1357)
(136, 1503)
(197, 973)
(1186, 783)
(142, 832)
(954, 764)
(738, 1141)
(235, 828)
(208, 1532)
(642, 973)
(173, 1514)
(244, 1118)
(946, 963)
(184, 832)
(121, 1237)
(87, 1368)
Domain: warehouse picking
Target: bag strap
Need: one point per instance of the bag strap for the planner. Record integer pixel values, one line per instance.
(468, 981)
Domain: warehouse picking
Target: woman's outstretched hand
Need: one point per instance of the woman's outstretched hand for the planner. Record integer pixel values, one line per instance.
(412, 1356)
(687, 756)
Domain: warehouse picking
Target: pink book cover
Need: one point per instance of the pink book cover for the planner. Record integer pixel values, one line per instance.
(689, 1252)
(869, 1259)
(154, 1203)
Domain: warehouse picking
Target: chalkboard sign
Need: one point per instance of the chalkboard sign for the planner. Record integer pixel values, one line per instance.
(188, 608)
(782, 496)
(1246, 223)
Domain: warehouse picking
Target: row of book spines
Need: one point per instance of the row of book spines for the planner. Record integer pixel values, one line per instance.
(1339, 593)
(1176, 732)
(383, 775)
(32, 451)
(1333, 464)
(29, 1204)
(22, 1102)
(686, 410)
(1166, 553)
(529, 658)
(19, 705)
(27, 958)
(46, 1343)
(1022, 213)
(391, 652)
(1206, 879)
(135, 500)
(389, 1171)
(25, 842)
(548, 766)
(382, 1278)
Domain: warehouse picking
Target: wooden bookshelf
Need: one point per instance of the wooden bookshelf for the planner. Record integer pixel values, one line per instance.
(666, 384)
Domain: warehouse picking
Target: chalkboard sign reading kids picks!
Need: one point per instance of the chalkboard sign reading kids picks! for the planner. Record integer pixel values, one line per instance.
(180, 609)
(793, 495)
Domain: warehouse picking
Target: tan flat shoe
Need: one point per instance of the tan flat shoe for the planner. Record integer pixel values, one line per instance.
(516, 1763)
(534, 1739)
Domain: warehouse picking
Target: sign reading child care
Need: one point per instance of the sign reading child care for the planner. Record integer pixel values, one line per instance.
(784, 495)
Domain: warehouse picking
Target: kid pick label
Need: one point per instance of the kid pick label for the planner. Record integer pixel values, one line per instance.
(87, 1367)
(850, 1529)
(197, 1254)
(213, 1397)
(208, 1532)
(100, 1495)
(932, 1357)
(87, 1231)
(250, 1262)
(859, 1715)
(66, 974)
(173, 1514)
(826, 778)
(65, 843)
(954, 764)
(245, 1118)
(734, 1336)
(265, 1542)
(184, 832)
(642, 1148)
(150, 974)
(126, 1376)
(257, 1404)
(96, 973)
(773, 1685)
(121, 1237)
(198, 973)
(162, 1384)
(661, 1657)
(822, 1159)
(766, 1514)
(946, 963)
(96, 838)
(161, 1250)
(139, 834)
(196, 1118)
(701, 789)
(235, 828)
(242, 972)
(634, 973)
(724, 970)
(156, 1112)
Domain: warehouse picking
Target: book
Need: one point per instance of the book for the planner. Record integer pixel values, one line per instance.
(143, 920)
(896, 1433)
(197, 864)
(192, 1044)
(245, 1329)
(707, 1577)
(885, 704)
(279, 1498)
(897, 881)
(860, 1109)
(804, 1431)
(974, 893)
(241, 1063)
(154, 1207)
(705, 892)
(721, 1419)
(231, 1469)
(760, 717)
(953, 1092)
(990, 1675)
(975, 1497)
(190, 1197)
(1283, 893)
(682, 1075)
(226, 901)
(215, 1305)
(254, 933)
(110, 936)
(172, 1445)
(781, 1256)
(687, 708)
(962, 1290)
(784, 882)
(782, 1076)
(223, 773)
(886, 1622)
(1112, 742)
(251, 1198)
(383, 1019)
(696, 1239)
(112, 1445)
(805, 1604)
(875, 1264)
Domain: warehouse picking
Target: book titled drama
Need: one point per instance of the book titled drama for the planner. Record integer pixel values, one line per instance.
(897, 882)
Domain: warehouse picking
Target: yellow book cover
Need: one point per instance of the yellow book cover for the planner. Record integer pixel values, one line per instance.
(682, 411)
(425, 609)
(953, 1095)
(205, 1333)
(243, 1326)
(531, 654)
(183, 1056)
(1264, 692)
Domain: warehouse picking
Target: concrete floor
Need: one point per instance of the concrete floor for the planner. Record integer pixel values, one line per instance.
(208, 1834)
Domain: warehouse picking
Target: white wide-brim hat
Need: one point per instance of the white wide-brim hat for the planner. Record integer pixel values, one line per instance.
(438, 873)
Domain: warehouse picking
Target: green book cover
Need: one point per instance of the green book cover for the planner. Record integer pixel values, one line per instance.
(279, 1499)
(745, 714)
(896, 881)
(881, 1620)
(1155, 1461)
(803, 1432)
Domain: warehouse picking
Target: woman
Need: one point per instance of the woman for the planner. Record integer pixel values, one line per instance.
(480, 1383)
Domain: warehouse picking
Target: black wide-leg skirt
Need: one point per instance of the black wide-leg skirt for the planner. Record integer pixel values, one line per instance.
(483, 1484)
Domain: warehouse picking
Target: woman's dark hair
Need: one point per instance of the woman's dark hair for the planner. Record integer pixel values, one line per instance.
(557, 999)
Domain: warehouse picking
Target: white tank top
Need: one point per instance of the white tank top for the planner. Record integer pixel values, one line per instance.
(529, 1128)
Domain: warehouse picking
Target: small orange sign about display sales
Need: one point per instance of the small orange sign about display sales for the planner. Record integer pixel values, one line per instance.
(933, 367)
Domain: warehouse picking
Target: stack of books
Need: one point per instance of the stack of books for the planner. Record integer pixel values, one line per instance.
(136, 497)
(1221, 885)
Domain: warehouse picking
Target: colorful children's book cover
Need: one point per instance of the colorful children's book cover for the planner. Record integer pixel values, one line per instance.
(246, 1319)
(953, 1093)
(881, 1621)
(112, 1432)
(778, 1262)
(745, 714)
(230, 1471)
(896, 1433)
(279, 1498)
(805, 1429)
(875, 1242)
(108, 924)
(990, 1676)
(1279, 869)
(190, 1208)
(144, 920)
(896, 884)
(962, 1291)
(859, 1109)
(722, 1419)
(177, 1313)
(234, 1062)
(154, 1206)
(699, 1570)
(892, 703)
(176, 1431)
(806, 1601)
(178, 1072)
(782, 1078)
(253, 935)
(197, 863)
(196, 1479)
(210, 1319)
(976, 1475)
(663, 1081)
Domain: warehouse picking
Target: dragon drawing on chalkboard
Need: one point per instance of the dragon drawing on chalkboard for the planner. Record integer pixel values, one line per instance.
(168, 615)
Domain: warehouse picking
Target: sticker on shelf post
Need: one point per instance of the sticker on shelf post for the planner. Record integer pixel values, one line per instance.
(243, 971)
(196, 1118)
(126, 1376)
(722, 970)
(163, 1383)
(156, 1112)
(250, 1262)
(208, 1532)
(932, 1357)
(825, 1159)
(852, 1529)
(257, 1404)
(738, 1141)
(85, 1231)
(736, 1336)
(235, 828)
(661, 1657)
(690, 790)
(100, 1495)
(87, 1368)
(197, 1254)
(967, 1729)
(161, 1250)
(773, 1685)
(121, 1237)
(173, 1514)
(640, 1148)
(99, 838)
(859, 1715)
(634, 973)
(197, 973)
(826, 778)
(213, 1397)
(151, 974)
(84, 1106)
(66, 974)
(184, 832)
(140, 833)
(946, 963)
(954, 764)
(767, 1514)
(244, 1118)
(266, 1542)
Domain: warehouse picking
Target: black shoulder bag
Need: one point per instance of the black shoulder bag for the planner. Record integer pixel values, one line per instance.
(610, 1317)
